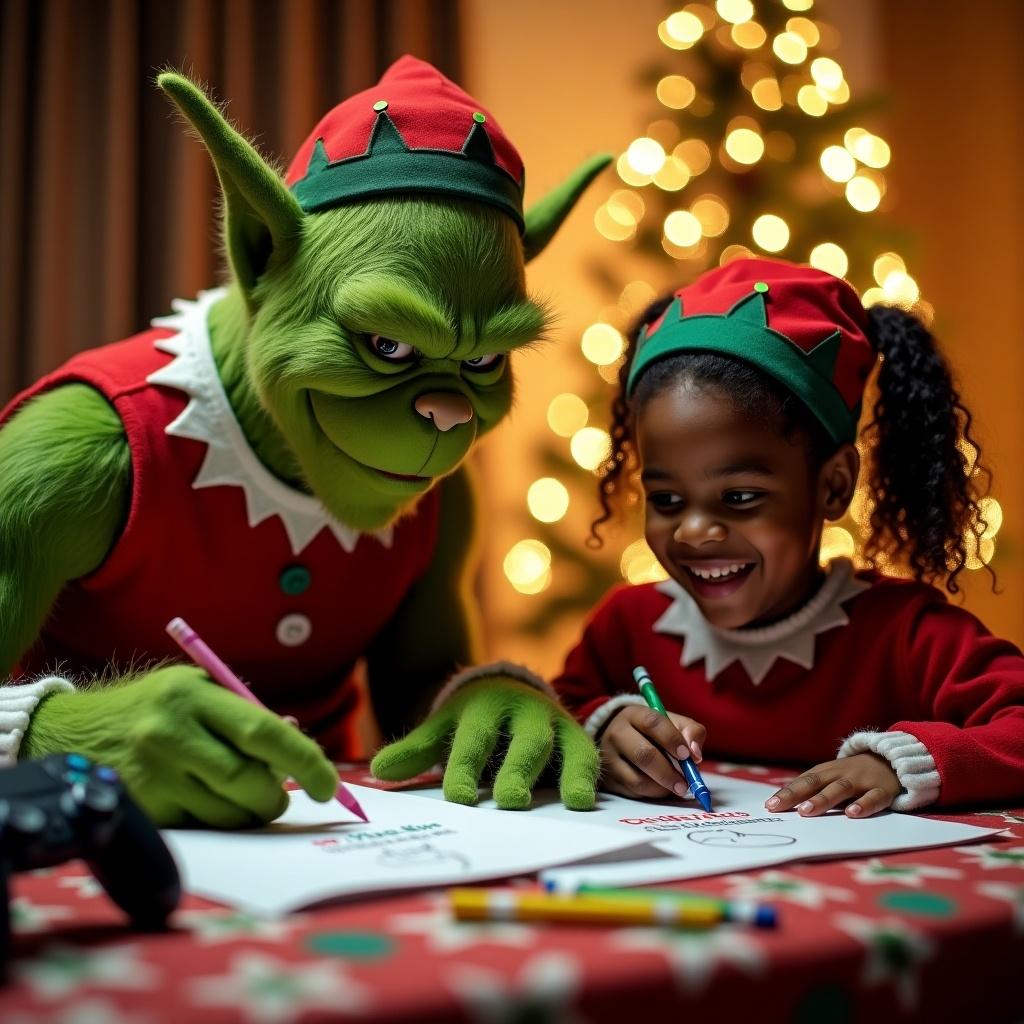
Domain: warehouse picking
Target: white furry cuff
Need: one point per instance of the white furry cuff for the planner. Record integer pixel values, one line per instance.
(17, 703)
(910, 760)
(603, 714)
(496, 668)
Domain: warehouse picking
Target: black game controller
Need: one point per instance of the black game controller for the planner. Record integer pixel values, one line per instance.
(63, 806)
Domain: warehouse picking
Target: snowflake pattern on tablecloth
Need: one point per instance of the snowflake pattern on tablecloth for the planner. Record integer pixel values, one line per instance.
(57, 971)
(875, 871)
(442, 933)
(85, 1011)
(778, 885)
(695, 956)
(1008, 816)
(267, 990)
(1009, 893)
(895, 952)
(86, 886)
(991, 857)
(543, 991)
(28, 917)
(212, 926)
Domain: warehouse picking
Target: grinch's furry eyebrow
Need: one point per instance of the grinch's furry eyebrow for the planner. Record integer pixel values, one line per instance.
(388, 307)
(393, 309)
(513, 326)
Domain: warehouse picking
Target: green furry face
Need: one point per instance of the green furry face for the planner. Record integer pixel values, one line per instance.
(381, 351)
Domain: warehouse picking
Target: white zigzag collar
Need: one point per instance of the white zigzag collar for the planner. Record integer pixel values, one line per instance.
(758, 649)
(230, 461)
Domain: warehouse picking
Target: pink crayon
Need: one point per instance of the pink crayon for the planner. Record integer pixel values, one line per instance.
(197, 649)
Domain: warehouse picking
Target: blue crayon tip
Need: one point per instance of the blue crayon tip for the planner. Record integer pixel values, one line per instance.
(697, 787)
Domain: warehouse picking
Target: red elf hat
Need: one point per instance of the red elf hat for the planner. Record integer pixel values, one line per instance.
(415, 131)
(801, 326)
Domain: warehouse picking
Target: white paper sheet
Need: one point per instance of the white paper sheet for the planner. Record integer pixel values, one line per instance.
(316, 852)
(739, 834)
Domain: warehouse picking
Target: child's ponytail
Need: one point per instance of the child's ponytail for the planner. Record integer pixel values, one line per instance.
(922, 457)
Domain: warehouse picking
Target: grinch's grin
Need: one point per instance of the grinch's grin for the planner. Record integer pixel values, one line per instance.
(398, 476)
(416, 480)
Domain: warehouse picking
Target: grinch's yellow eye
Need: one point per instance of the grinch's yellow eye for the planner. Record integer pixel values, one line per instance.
(483, 362)
(389, 349)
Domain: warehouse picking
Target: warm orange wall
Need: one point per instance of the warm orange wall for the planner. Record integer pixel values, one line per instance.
(957, 124)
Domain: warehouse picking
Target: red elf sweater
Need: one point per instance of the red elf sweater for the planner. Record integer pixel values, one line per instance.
(287, 596)
(870, 663)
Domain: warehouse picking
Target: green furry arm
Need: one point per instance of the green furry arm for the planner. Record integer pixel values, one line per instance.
(66, 472)
(186, 749)
(436, 629)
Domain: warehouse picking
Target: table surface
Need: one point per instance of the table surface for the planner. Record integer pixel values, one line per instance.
(930, 935)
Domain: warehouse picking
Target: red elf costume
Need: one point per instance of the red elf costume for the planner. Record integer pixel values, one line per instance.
(870, 663)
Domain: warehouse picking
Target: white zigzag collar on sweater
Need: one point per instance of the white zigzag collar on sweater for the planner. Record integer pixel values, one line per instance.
(758, 649)
(230, 461)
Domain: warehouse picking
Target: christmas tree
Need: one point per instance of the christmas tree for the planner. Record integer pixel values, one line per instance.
(755, 147)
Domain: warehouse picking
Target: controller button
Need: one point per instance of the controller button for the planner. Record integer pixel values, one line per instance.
(100, 798)
(27, 818)
(78, 762)
(106, 774)
(68, 804)
(55, 766)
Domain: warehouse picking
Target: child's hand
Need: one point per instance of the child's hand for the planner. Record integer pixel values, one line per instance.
(866, 779)
(633, 749)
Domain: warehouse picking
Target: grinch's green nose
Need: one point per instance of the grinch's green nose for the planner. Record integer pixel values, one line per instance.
(445, 408)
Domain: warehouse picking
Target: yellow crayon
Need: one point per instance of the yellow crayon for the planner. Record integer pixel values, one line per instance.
(512, 905)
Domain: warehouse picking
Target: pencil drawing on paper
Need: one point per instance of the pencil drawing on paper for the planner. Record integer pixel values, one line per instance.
(730, 837)
(421, 855)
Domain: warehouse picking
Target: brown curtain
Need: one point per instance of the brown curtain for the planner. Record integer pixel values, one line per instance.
(108, 207)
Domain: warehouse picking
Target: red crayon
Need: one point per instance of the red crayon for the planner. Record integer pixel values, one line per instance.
(195, 647)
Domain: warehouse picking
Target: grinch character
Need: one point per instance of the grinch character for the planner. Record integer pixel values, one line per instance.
(281, 463)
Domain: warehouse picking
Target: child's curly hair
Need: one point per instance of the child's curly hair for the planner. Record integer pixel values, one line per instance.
(923, 464)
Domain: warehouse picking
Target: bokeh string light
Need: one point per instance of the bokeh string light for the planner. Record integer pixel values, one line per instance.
(771, 162)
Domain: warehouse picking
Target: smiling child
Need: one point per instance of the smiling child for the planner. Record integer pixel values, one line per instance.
(739, 405)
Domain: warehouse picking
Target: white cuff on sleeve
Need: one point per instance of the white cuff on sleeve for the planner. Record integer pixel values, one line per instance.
(17, 703)
(602, 715)
(496, 668)
(910, 760)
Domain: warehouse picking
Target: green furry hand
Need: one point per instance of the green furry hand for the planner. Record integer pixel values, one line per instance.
(468, 726)
(186, 749)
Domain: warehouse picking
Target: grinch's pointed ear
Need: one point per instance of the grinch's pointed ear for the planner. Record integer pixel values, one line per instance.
(262, 218)
(545, 217)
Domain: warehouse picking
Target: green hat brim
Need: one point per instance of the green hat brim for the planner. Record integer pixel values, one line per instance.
(769, 351)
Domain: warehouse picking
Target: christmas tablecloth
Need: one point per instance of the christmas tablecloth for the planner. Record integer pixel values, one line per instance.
(932, 935)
